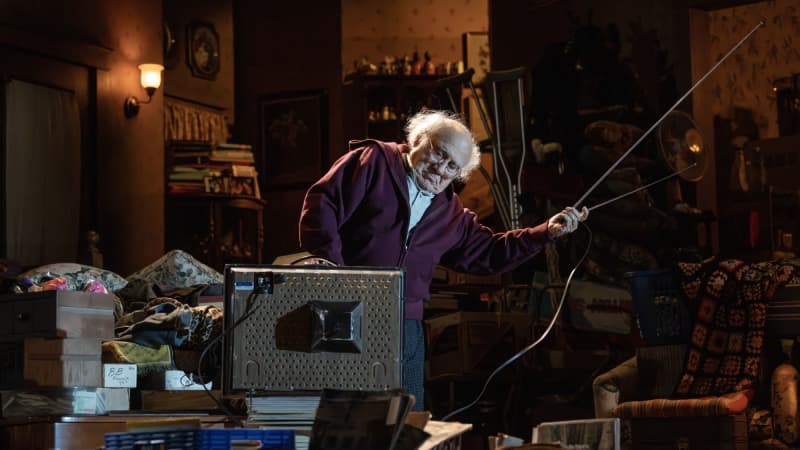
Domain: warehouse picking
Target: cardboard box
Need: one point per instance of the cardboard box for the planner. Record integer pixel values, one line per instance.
(52, 314)
(63, 362)
(474, 342)
(592, 306)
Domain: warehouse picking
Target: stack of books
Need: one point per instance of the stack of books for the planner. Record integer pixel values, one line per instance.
(284, 413)
(200, 167)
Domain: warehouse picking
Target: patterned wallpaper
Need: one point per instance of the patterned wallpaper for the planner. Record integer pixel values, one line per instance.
(745, 79)
(376, 28)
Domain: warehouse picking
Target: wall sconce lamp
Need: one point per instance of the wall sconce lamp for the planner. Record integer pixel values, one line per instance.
(151, 80)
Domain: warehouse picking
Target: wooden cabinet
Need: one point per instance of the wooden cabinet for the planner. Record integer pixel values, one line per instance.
(386, 102)
(218, 230)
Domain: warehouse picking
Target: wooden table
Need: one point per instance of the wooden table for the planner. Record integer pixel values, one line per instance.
(80, 432)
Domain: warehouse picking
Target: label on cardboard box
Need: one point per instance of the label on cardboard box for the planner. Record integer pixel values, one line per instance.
(178, 380)
(119, 375)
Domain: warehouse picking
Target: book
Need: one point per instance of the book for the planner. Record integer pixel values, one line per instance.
(239, 170)
(233, 146)
(184, 146)
(232, 156)
(182, 173)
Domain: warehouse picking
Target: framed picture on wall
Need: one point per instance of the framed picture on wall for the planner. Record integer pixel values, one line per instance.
(294, 136)
(202, 50)
(476, 54)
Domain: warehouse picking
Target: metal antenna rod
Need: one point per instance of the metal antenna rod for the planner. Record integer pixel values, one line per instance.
(661, 119)
(641, 188)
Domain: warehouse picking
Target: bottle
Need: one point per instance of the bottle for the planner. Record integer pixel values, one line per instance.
(416, 64)
(762, 170)
(429, 68)
(739, 172)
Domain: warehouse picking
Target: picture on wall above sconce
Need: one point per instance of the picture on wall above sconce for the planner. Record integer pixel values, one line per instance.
(151, 80)
(202, 50)
(169, 44)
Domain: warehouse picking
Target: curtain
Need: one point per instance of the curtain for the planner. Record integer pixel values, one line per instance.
(184, 122)
(43, 174)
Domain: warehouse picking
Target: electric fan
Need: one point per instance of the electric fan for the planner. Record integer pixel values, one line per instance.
(680, 145)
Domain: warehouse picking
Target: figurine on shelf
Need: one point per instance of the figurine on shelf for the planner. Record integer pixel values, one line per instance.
(416, 64)
(407, 69)
(387, 67)
(365, 67)
(429, 68)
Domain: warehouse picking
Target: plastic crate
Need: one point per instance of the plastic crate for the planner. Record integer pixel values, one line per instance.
(221, 438)
(661, 309)
(210, 439)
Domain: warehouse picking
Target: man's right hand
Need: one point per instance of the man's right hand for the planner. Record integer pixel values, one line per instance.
(566, 221)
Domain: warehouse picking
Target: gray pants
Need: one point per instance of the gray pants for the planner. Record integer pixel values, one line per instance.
(414, 362)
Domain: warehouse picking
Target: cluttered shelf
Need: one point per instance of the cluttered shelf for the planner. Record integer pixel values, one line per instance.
(213, 205)
(386, 101)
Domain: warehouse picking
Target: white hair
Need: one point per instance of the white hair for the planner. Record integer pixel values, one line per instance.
(443, 127)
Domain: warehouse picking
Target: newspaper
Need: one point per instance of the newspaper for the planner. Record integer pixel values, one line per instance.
(587, 434)
(442, 431)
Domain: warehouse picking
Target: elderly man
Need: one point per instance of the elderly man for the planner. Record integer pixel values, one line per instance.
(392, 205)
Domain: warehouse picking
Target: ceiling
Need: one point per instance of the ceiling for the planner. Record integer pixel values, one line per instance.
(710, 5)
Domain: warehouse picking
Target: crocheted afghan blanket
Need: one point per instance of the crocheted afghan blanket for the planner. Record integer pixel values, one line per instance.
(731, 299)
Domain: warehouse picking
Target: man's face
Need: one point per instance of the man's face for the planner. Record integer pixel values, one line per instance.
(434, 168)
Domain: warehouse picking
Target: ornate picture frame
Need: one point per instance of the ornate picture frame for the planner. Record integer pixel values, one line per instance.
(293, 128)
(202, 50)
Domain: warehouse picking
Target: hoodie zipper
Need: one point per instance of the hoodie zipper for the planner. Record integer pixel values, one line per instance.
(404, 253)
(406, 241)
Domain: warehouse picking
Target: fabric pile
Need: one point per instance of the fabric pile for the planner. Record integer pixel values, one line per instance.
(156, 309)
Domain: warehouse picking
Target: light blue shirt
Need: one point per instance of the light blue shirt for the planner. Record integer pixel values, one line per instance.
(418, 200)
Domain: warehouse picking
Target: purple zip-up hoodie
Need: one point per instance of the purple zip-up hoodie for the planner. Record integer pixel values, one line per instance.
(357, 214)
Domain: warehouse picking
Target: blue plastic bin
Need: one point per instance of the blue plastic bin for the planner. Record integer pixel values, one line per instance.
(210, 439)
(270, 439)
(662, 311)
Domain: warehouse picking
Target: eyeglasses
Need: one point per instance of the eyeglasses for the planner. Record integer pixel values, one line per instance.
(439, 157)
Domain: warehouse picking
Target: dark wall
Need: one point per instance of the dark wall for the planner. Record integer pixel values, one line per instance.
(179, 82)
(520, 30)
(284, 47)
(130, 151)
(634, 53)
(108, 40)
(588, 60)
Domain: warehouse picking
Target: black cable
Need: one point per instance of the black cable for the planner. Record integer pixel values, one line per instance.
(537, 341)
(249, 311)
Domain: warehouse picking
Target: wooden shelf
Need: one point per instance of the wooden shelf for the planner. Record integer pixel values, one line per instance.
(403, 95)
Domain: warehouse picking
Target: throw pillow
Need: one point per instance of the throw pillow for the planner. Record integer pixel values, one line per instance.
(177, 269)
(77, 275)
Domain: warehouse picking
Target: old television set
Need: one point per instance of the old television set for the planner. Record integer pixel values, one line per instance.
(312, 327)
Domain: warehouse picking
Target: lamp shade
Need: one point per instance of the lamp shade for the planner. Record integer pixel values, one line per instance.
(151, 75)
